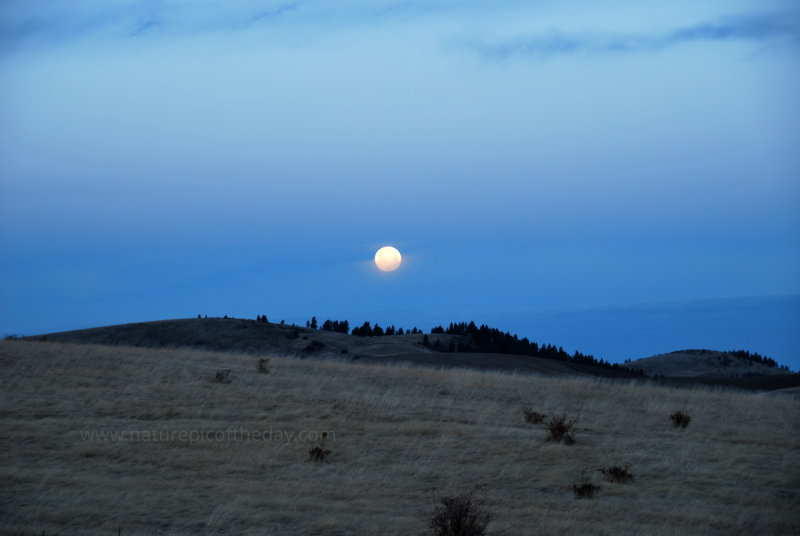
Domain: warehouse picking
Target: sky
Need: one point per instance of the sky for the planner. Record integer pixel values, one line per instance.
(618, 178)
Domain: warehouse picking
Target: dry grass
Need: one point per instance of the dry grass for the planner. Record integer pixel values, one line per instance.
(400, 436)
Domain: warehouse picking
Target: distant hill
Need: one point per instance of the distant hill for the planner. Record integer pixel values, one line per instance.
(249, 336)
(236, 335)
(241, 336)
(707, 364)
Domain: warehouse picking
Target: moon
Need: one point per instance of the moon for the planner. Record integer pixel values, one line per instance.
(388, 258)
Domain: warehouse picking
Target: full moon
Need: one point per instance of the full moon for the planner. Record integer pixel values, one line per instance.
(388, 259)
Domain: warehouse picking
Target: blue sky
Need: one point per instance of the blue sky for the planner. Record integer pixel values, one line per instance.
(163, 159)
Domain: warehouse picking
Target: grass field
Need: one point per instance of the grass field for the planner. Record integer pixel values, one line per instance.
(400, 438)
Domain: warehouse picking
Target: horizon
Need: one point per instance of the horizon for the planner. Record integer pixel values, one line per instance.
(735, 333)
(607, 179)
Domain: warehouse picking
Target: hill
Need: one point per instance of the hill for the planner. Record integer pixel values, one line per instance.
(242, 336)
(260, 338)
(100, 440)
(707, 364)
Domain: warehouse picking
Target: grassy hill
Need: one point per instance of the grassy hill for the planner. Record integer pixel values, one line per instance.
(248, 336)
(400, 439)
(704, 364)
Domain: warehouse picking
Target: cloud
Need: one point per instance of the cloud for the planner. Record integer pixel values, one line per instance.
(761, 28)
(278, 11)
(143, 26)
(23, 23)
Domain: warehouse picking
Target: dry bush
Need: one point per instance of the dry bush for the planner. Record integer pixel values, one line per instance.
(618, 473)
(559, 429)
(583, 488)
(315, 346)
(531, 416)
(223, 376)
(462, 515)
(680, 418)
(320, 453)
(263, 365)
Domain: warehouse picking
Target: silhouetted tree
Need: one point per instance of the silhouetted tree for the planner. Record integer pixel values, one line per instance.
(335, 325)
(364, 331)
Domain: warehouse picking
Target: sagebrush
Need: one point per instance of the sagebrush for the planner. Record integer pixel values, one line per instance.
(465, 514)
(559, 429)
(680, 418)
(531, 416)
(584, 488)
(618, 473)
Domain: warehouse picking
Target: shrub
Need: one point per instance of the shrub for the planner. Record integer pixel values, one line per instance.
(680, 418)
(263, 365)
(533, 417)
(462, 515)
(583, 488)
(559, 429)
(223, 376)
(320, 453)
(315, 346)
(618, 473)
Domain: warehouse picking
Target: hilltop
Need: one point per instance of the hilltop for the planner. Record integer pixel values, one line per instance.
(708, 364)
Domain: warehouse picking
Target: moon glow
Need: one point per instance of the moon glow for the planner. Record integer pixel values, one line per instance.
(388, 258)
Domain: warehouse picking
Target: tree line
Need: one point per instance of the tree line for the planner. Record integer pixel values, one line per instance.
(755, 357)
(369, 331)
(493, 340)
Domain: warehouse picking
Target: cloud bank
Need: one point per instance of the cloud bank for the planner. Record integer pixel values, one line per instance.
(760, 28)
(24, 23)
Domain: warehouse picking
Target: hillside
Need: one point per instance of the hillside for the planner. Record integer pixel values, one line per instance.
(238, 335)
(249, 336)
(100, 440)
(243, 336)
(704, 364)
